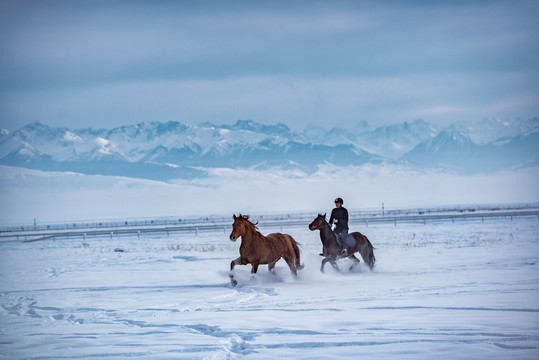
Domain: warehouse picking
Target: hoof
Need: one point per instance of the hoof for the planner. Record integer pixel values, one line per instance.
(232, 280)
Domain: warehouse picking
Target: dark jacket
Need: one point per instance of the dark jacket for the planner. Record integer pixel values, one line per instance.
(341, 214)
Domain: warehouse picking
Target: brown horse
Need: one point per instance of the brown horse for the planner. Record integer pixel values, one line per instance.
(332, 250)
(258, 249)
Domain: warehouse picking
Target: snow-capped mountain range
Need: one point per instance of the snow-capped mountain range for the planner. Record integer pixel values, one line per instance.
(171, 150)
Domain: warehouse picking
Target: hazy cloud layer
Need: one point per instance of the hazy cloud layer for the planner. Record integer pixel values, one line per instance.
(111, 63)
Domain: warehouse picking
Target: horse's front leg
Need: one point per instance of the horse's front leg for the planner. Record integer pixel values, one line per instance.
(238, 261)
(323, 264)
(332, 260)
(254, 268)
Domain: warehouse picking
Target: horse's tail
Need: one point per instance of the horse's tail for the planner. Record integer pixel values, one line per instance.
(369, 258)
(297, 258)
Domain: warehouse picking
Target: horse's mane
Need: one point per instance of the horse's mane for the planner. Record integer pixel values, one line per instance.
(246, 217)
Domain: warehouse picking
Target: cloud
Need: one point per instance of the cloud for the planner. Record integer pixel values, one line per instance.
(128, 61)
(297, 101)
(137, 32)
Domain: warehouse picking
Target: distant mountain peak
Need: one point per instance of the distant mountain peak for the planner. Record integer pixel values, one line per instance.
(134, 149)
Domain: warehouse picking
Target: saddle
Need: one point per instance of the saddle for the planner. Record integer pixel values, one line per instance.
(350, 241)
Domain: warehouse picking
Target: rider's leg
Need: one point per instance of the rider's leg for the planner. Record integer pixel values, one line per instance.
(342, 234)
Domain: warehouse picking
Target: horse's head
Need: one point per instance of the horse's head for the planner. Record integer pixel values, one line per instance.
(318, 223)
(239, 226)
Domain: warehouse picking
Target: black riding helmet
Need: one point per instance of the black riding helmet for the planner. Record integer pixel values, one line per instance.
(339, 200)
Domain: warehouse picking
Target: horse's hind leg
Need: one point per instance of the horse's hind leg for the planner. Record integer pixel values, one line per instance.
(292, 265)
(355, 263)
(271, 268)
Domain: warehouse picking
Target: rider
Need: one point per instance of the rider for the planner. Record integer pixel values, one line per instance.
(339, 217)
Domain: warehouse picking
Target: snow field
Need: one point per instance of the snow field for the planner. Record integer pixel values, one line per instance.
(463, 290)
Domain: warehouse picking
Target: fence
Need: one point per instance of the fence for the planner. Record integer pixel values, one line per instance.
(194, 225)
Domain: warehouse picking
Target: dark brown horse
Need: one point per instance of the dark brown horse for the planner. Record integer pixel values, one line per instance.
(258, 249)
(332, 250)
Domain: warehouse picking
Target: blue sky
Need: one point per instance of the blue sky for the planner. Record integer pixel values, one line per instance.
(329, 63)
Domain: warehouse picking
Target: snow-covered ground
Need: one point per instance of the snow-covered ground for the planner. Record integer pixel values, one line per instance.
(26, 194)
(463, 290)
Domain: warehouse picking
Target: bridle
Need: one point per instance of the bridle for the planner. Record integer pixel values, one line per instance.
(322, 226)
